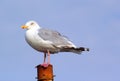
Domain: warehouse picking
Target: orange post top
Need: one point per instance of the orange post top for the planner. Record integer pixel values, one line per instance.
(45, 73)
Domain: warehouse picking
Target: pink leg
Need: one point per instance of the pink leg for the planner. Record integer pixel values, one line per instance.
(44, 62)
(44, 58)
(48, 53)
(48, 56)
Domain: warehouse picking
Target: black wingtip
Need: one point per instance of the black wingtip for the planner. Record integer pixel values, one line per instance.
(83, 49)
(87, 49)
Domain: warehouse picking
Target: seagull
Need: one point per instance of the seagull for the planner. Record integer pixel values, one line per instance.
(48, 41)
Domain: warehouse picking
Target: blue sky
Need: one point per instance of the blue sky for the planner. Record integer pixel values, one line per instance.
(89, 23)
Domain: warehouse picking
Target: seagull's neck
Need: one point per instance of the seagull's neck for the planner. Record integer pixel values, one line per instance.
(34, 29)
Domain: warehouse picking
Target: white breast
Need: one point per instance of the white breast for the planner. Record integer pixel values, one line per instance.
(38, 43)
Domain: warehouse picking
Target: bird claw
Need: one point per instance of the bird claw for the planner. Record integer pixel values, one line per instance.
(45, 64)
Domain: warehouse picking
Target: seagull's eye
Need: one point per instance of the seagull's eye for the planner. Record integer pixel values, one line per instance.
(31, 23)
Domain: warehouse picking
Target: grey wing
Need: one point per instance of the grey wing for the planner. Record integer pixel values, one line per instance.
(55, 37)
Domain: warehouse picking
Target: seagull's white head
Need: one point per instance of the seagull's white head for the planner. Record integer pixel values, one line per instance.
(31, 25)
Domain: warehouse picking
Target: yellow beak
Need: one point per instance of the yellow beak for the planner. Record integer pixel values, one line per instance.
(24, 27)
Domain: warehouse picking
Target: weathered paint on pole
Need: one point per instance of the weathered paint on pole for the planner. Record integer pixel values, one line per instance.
(45, 73)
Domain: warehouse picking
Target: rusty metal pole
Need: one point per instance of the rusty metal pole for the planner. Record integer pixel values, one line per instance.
(45, 73)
